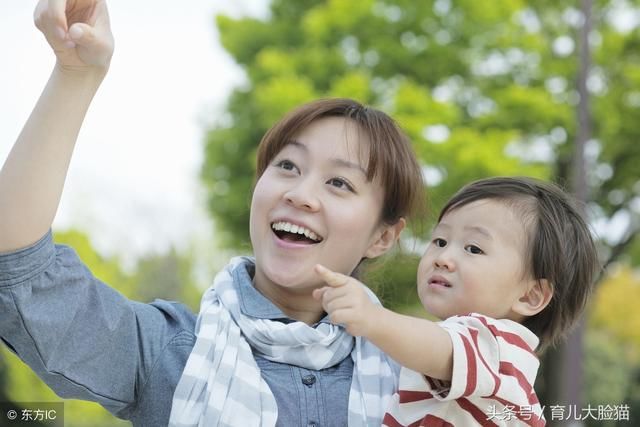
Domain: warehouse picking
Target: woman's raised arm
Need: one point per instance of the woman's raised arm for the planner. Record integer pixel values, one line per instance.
(33, 175)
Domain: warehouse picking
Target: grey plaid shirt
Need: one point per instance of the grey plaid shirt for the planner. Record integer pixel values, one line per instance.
(87, 341)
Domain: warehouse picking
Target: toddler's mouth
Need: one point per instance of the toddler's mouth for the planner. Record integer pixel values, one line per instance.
(439, 281)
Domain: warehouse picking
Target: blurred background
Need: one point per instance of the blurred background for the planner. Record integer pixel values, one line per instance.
(158, 193)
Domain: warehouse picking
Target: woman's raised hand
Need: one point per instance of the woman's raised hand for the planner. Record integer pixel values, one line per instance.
(78, 32)
(33, 175)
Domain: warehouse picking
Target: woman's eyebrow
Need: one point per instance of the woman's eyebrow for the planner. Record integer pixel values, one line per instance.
(295, 143)
(347, 164)
(335, 160)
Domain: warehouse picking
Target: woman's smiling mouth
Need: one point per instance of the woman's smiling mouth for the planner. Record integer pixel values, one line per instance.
(290, 232)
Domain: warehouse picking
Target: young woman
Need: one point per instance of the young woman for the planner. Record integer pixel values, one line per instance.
(336, 181)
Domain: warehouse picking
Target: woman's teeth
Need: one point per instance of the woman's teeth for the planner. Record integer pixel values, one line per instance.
(295, 229)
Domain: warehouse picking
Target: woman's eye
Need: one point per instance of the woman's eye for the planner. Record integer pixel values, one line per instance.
(441, 243)
(340, 183)
(473, 249)
(286, 165)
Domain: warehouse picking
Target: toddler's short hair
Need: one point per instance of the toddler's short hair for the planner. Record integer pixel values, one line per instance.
(559, 246)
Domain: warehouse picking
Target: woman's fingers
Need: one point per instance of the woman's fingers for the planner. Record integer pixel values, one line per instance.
(92, 47)
(81, 34)
(53, 12)
(78, 31)
(50, 19)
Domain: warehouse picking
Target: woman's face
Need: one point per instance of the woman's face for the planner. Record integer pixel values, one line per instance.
(314, 205)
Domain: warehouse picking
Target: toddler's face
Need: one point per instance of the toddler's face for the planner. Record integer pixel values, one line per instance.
(475, 262)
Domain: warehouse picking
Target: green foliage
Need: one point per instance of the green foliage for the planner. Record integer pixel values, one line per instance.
(612, 362)
(615, 308)
(609, 377)
(167, 276)
(481, 88)
(393, 279)
(487, 76)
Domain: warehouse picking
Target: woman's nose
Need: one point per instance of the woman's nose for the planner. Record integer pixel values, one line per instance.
(303, 196)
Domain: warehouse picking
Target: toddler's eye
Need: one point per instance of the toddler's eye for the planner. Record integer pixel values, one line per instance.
(473, 249)
(441, 243)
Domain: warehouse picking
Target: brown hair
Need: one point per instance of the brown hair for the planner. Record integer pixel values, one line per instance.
(391, 157)
(559, 246)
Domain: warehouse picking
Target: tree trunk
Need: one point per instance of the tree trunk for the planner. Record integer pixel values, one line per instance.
(565, 375)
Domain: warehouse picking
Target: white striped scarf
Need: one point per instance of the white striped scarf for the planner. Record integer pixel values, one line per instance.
(221, 383)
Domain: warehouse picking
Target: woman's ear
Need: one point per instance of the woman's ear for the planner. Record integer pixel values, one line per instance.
(385, 238)
(537, 296)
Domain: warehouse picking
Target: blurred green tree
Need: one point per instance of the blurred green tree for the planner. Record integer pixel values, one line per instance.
(613, 343)
(481, 88)
(168, 276)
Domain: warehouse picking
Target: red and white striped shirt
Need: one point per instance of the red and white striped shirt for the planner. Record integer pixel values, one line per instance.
(494, 368)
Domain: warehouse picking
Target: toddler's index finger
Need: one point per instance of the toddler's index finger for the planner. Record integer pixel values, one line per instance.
(332, 278)
(317, 294)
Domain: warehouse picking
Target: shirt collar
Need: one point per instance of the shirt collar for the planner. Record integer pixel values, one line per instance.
(252, 302)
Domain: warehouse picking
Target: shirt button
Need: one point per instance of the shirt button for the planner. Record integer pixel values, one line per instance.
(312, 424)
(308, 380)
